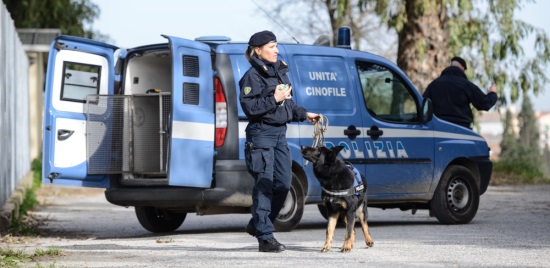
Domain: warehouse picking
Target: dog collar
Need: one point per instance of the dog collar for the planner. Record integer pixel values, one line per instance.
(347, 192)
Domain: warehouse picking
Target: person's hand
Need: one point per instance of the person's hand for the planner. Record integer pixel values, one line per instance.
(493, 88)
(313, 117)
(282, 92)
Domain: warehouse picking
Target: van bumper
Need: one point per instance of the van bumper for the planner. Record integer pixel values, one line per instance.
(232, 187)
(485, 168)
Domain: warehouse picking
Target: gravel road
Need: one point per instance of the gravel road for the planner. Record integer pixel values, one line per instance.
(511, 229)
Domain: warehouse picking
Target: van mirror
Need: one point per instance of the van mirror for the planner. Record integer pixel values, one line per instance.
(427, 111)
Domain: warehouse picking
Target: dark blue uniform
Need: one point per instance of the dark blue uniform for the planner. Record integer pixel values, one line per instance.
(267, 152)
(451, 95)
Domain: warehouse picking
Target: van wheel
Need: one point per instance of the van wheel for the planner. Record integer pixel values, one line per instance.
(293, 208)
(456, 198)
(159, 220)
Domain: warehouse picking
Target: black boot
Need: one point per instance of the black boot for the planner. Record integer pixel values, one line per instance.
(271, 245)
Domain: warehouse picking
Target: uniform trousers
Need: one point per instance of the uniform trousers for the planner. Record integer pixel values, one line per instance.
(270, 163)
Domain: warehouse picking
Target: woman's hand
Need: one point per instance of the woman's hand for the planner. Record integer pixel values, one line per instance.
(282, 92)
(313, 117)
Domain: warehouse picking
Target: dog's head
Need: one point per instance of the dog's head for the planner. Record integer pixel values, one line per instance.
(324, 154)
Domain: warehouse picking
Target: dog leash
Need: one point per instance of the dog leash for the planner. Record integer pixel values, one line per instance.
(319, 130)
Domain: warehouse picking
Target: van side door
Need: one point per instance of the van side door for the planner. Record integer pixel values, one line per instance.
(192, 128)
(77, 68)
(399, 147)
(323, 83)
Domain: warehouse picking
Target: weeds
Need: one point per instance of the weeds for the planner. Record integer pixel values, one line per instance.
(14, 258)
(22, 223)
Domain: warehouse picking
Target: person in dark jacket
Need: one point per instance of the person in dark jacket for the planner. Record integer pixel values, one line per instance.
(266, 99)
(451, 94)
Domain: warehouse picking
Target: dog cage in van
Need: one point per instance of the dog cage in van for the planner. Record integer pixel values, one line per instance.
(130, 133)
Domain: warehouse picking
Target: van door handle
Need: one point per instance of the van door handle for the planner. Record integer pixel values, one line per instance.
(375, 132)
(352, 132)
(63, 134)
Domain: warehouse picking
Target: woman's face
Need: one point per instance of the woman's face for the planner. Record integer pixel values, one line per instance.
(268, 52)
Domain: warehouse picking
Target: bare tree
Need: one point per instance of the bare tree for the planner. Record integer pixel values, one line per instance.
(306, 20)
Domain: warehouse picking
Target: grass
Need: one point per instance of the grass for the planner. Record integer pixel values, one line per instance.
(22, 224)
(15, 258)
(516, 174)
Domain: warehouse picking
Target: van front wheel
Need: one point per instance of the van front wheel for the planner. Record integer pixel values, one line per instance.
(159, 220)
(293, 208)
(456, 198)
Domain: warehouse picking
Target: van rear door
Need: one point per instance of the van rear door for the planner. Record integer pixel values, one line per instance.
(77, 68)
(192, 135)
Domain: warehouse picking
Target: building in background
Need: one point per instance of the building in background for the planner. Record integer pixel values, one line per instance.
(36, 43)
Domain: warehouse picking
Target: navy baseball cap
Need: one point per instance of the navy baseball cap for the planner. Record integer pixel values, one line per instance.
(262, 38)
(461, 61)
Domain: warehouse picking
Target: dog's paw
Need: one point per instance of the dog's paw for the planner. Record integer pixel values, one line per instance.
(325, 250)
(370, 243)
(346, 249)
(348, 245)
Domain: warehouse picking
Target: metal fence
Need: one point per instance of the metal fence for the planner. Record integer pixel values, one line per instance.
(15, 160)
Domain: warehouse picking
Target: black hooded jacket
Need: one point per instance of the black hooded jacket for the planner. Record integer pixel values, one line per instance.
(451, 95)
(256, 96)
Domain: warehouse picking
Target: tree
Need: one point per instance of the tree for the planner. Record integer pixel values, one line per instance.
(70, 16)
(529, 137)
(509, 148)
(318, 18)
(431, 31)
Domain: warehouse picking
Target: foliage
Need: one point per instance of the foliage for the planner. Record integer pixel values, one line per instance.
(323, 19)
(36, 167)
(521, 154)
(482, 30)
(71, 16)
(529, 136)
(509, 147)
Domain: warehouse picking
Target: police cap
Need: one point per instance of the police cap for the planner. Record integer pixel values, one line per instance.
(262, 38)
(461, 61)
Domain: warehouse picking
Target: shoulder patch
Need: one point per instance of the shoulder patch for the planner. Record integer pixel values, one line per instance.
(247, 90)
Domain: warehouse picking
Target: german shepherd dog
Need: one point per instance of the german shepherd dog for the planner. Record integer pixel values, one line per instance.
(340, 196)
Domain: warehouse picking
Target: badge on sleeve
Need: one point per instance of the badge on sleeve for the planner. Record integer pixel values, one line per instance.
(247, 90)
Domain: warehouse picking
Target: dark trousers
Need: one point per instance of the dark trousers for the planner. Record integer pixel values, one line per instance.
(270, 162)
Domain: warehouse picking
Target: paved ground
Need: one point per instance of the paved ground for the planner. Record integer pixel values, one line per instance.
(511, 229)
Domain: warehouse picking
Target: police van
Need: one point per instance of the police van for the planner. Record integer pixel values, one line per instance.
(160, 128)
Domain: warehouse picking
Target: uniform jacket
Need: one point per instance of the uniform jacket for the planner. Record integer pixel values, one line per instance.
(256, 97)
(451, 95)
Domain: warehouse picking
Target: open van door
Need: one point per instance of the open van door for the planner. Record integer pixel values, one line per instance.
(193, 127)
(77, 68)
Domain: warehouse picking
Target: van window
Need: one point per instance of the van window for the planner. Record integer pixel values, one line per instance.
(387, 97)
(79, 80)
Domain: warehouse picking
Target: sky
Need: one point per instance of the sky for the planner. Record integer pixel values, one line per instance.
(131, 23)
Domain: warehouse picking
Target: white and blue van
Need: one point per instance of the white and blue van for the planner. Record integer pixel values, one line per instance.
(160, 128)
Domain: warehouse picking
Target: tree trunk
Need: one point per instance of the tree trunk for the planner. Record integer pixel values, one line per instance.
(423, 42)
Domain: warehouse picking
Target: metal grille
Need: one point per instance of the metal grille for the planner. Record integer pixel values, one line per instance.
(108, 134)
(128, 133)
(191, 66)
(191, 93)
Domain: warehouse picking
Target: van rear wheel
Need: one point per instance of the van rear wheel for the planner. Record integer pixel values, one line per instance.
(293, 208)
(456, 198)
(159, 220)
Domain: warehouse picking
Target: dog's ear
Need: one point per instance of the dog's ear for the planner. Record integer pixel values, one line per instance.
(332, 154)
(337, 149)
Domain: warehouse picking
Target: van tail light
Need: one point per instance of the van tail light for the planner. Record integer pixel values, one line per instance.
(221, 113)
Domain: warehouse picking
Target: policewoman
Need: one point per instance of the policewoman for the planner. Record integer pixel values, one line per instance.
(266, 99)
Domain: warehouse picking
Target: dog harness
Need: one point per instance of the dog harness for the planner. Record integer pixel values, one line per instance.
(357, 189)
